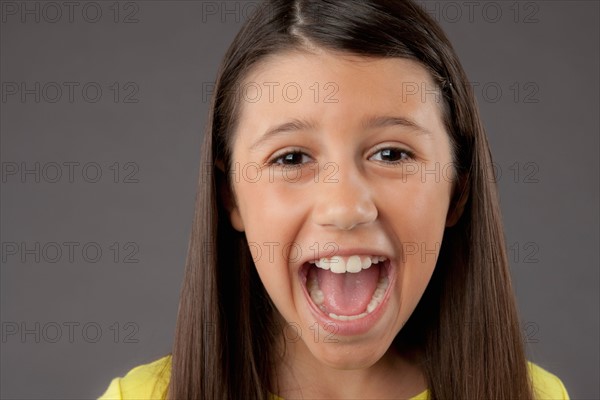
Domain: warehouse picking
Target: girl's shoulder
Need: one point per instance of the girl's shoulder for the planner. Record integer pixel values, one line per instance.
(150, 381)
(546, 384)
(147, 381)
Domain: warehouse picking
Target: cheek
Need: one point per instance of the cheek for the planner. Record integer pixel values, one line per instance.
(416, 215)
(271, 211)
(272, 220)
(416, 206)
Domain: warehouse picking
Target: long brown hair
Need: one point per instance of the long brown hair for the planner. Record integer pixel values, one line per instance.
(466, 324)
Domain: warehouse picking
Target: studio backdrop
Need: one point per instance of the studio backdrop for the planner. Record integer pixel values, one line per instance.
(103, 109)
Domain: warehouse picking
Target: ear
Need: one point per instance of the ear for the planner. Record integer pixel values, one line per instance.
(460, 195)
(228, 197)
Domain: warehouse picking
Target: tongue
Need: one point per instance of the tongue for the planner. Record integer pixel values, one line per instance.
(348, 293)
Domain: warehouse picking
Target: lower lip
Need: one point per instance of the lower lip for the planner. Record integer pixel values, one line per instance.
(353, 327)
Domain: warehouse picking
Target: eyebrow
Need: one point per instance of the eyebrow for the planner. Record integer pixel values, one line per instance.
(386, 120)
(368, 123)
(291, 126)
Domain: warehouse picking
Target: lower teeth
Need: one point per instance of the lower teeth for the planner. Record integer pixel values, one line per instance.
(318, 297)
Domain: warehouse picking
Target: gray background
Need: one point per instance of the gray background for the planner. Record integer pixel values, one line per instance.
(535, 67)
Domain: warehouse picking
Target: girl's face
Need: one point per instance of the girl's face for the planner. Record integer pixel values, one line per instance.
(342, 179)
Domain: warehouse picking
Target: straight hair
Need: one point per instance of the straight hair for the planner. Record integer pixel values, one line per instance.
(466, 324)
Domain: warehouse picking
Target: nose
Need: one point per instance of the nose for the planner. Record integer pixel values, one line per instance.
(344, 200)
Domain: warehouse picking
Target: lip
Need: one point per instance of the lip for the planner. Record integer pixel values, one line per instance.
(351, 327)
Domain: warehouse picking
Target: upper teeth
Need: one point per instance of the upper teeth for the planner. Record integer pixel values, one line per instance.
(340, 265)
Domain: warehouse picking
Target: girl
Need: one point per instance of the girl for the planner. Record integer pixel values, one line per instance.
(348, 242)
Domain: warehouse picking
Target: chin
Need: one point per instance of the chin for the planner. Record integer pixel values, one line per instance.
(348, 356)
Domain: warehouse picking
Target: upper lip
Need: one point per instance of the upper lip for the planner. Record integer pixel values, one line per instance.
(345, 252)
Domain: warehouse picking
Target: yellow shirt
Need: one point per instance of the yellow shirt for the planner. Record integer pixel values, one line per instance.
(150, 381)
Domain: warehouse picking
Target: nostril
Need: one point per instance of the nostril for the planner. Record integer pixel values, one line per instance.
(349, 228)
(346, 220)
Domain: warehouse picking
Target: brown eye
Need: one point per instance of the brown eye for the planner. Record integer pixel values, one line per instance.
(393, 155)
(291, 158)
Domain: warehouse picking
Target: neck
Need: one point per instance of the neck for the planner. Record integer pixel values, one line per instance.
(395, 375)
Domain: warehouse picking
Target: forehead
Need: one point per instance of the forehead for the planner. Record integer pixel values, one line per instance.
(292, 63)
(340, 88)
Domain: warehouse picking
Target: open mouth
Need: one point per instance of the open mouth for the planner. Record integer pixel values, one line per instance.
(347, 288)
